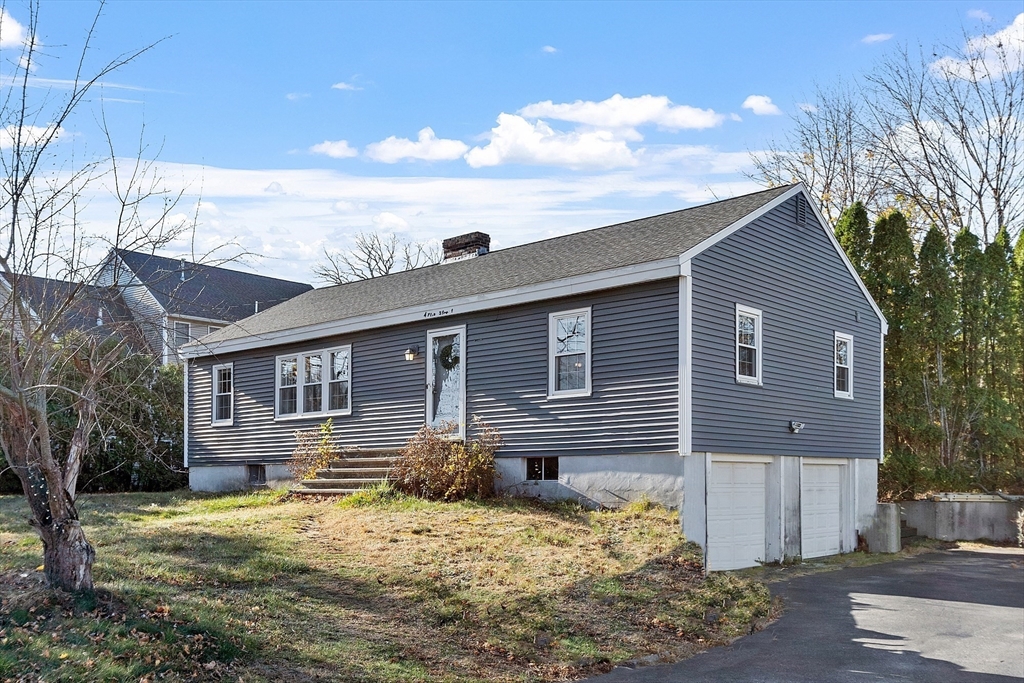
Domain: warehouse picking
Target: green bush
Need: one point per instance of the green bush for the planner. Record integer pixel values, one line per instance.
(436, 466)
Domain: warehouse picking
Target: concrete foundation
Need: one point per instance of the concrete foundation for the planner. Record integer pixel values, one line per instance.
(993, 520)
(234, 477)
(883, 532)
(606, 480)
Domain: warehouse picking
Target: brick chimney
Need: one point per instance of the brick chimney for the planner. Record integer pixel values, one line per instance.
(466, 246)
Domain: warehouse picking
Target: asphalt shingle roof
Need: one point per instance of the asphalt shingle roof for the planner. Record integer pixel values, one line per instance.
(207, 291)
(79, 305)
(614, 246)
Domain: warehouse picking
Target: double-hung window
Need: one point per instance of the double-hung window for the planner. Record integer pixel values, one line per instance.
(223, 394)
(748, 345)
(569, 353)
(314, 383)
(843, 366)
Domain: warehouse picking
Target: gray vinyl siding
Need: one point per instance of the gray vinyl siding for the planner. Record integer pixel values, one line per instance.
(147, 311)
(794, 275)
(633, 407)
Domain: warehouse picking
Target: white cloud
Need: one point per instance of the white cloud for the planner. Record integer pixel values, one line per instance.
(979, 14)
(876, 38)
(274, 188)
(293, 96)
(336, 149)
(516, 140)
(761, 105)
(345, 86)
(549, 49)
(982, 54)
(427, 147)
(389, 222)
(807, 107)
(12, 32)
(27, 136)
(618, 112)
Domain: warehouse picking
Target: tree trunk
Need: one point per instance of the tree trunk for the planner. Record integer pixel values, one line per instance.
(67, 556)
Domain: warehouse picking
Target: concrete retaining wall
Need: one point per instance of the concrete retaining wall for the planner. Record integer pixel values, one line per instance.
(962, 520)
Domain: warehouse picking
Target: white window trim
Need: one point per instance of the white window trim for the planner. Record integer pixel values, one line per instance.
(213, 392)
(848, 338)
(429, 401)
(299, 377)
(758, 327)
(552, 366)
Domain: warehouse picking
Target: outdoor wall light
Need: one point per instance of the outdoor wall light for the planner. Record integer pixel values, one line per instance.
(795, 426)
(410, 353)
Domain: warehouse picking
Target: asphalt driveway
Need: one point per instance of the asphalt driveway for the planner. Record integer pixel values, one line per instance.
(954, 617)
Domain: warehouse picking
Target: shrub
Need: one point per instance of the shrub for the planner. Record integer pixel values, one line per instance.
(436, 466)
(314, 450)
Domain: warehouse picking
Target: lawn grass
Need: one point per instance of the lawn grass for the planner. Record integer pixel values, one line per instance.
(375, 587)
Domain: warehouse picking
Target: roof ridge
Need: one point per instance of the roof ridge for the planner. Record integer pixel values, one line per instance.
(780, 188)
(207, 265)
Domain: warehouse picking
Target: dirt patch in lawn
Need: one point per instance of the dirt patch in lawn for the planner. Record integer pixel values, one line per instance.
(395, 590)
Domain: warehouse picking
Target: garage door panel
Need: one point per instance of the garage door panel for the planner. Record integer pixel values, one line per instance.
(821, 489)
(736, 515)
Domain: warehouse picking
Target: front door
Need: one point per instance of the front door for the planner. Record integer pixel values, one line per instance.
(446, 378)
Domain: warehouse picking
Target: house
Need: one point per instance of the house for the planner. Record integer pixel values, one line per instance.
(725, 359)
(67, 306)
(175, 301)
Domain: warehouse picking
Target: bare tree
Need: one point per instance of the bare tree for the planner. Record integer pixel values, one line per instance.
(374, 255)
(46, 364)
(941, 138)
(830, 152)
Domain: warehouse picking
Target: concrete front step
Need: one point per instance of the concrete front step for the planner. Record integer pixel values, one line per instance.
(354, 473)
(361, 462)
(324, 492)
(359, 483)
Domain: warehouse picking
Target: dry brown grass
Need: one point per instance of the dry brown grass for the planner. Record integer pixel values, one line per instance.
(403, 590)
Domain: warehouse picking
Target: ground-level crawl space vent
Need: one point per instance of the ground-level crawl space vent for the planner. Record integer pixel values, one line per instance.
(257, 475)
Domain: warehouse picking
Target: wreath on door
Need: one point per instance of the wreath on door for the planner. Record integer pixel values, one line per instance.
(449, 357)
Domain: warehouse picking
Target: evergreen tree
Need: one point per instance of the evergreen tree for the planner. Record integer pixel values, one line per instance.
(890, 280)
(936, 310)
(853, 231)
(969, 283)
(998, 428)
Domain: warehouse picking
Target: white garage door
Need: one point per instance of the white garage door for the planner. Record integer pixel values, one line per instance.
(736, 502)
(821, 498)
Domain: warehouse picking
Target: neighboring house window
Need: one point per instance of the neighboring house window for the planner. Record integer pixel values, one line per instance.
(569, 353)
(223, 394)
(182, 334)
(315, 382)
(748, 345)
(844, 366)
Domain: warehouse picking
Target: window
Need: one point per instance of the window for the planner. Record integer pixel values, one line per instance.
(844, 366)
(257, 475)
(223, 394)
(338, 381)
(569, 353)
(748, 345)
(182, 334)
(542, 469)
(287, 391)
(315, 383)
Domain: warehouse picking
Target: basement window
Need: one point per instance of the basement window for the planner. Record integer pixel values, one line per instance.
(542, 469)
(257, 475)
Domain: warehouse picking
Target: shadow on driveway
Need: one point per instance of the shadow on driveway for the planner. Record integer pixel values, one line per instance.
(953, 616)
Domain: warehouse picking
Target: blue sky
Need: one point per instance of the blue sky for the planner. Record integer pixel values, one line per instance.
(300, 124)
